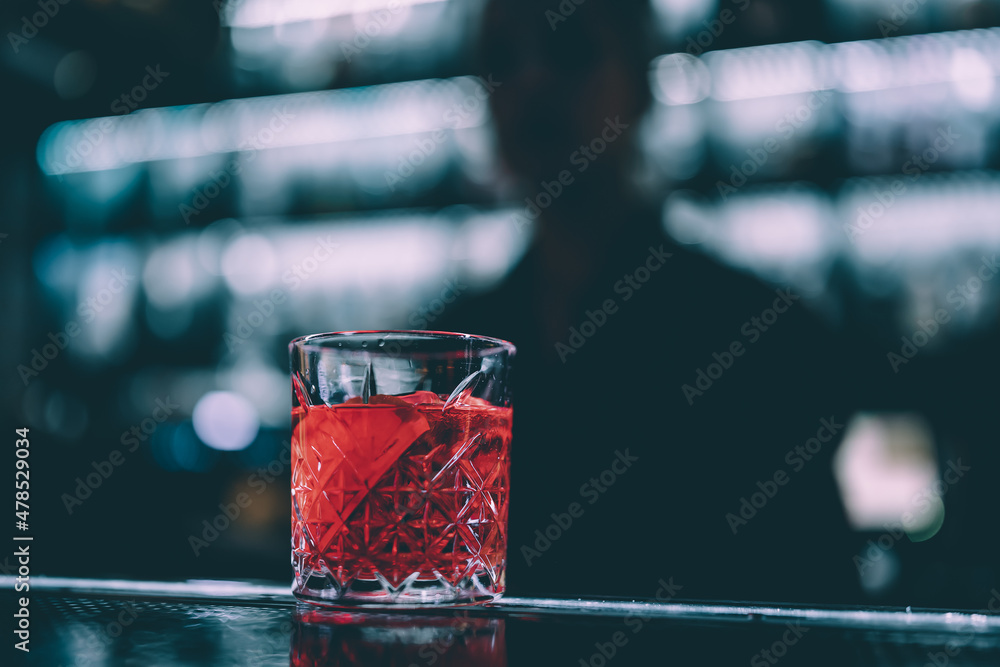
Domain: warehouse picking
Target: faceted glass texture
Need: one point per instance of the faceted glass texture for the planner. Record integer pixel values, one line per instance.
(400, 497)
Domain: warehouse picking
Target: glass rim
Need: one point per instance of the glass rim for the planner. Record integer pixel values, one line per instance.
(317, 341)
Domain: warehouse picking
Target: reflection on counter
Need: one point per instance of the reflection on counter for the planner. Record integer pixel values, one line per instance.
(325, 637)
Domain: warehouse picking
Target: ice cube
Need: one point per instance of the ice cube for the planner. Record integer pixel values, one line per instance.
(422, 398)
(463, 392)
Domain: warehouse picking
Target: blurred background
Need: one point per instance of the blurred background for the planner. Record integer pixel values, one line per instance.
(186, 185)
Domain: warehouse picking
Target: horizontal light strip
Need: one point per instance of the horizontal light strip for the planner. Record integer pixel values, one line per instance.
(265, 13)
(400, 109)
(297, 119)
(850, 67)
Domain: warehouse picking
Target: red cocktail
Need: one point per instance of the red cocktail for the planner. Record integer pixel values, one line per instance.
(400, 498)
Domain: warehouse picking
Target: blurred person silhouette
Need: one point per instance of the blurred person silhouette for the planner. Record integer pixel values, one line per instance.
(673, 417)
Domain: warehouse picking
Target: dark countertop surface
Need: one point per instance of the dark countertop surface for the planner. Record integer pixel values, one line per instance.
(110, 623)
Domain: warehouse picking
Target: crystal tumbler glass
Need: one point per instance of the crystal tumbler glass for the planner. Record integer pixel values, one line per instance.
(400, 467)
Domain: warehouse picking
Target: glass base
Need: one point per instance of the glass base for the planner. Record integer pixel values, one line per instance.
(411, 594)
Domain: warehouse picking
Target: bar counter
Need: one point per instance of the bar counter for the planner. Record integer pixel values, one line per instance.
(117, 622)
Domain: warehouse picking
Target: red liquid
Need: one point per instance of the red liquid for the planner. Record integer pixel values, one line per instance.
(400, 491)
